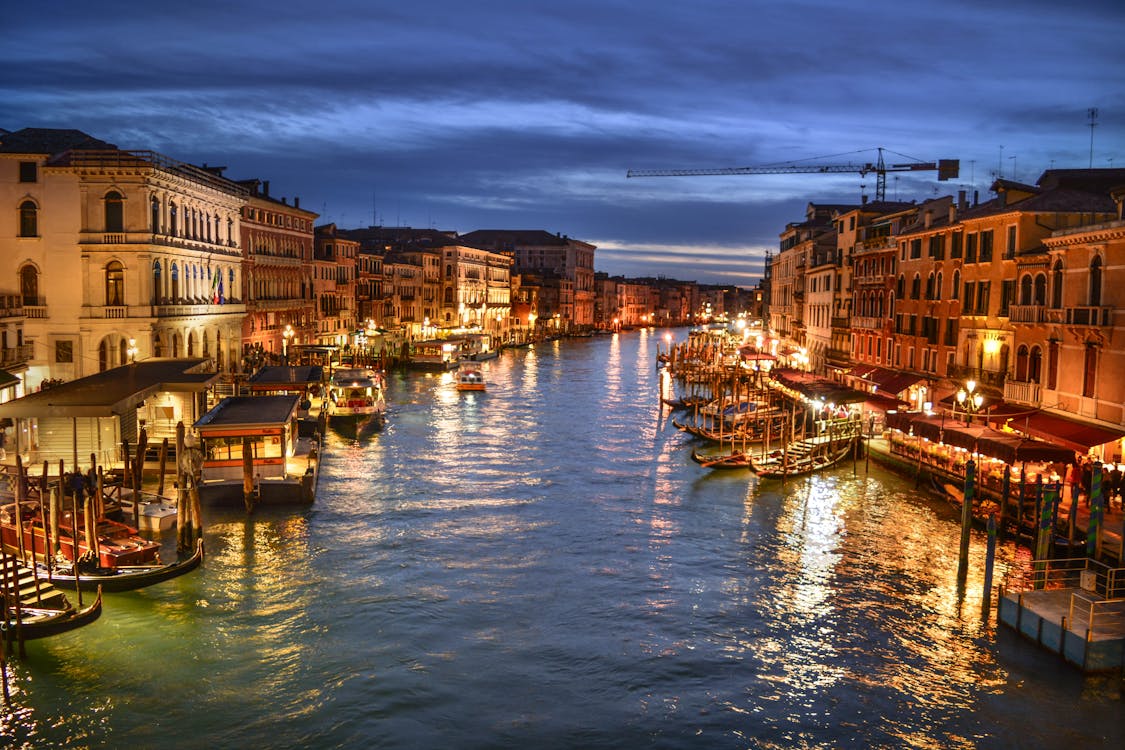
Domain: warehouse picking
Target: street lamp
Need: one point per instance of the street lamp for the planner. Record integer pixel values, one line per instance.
(287, 336)
(970, 400)
(132, 351)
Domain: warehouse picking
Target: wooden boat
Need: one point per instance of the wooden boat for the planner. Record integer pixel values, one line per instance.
(356, 406)
(777, 465)
(733, 460)
(42, 622)
(115, 544)
(154, 513)
(126, 578)
(686, 402)
(470, 376)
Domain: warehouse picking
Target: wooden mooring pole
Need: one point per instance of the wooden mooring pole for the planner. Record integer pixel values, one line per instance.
(966, 521)
(989, 564)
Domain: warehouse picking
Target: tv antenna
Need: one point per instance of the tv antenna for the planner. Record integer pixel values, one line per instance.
(1092, 114)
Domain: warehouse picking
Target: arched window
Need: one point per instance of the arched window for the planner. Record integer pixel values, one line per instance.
(175, 292)
(154, 215)
(1021, 363)
(1095, 296)
(1089, 370)
(937, 286)
(114, 284)
(955, 291)
(29, 285)
(1040, 289)
(191, 343)
(173, 219)
(157, 291)
(1057, 285)
(114, 212)
(157, 346)
(1025, 289)
(1035, 365)
(900, 289)
(930, 287)
(29, 219)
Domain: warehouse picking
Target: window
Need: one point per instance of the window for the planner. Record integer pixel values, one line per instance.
(937, 247)
(968, 298)
(955, 245)
(982, 297)
(971, 249)
(955, 290)
(29, 219)
(1011, 250)
(115, 284)
(1035, 365)
(64, 351)
(986, 246)
(951, 332)
(1021, 363)
(1007, 294)
(114, 212)
(1095, 294)
(1025, 290)
(930, 287)
(29, 171)
(154, 218)
(29, 286)
(1057, 285)
(1040, 289)
(916, 248)
(1090, 370)
(173, 219)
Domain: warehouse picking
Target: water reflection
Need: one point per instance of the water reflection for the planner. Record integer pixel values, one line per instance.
(542, 565)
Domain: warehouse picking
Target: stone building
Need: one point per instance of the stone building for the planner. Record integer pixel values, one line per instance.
(118, 255)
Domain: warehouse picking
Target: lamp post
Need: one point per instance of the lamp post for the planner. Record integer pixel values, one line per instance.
(970, 400)
(287, 336)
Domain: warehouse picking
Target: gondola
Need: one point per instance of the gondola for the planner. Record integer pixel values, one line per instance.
(124, 578)
(734, 460)
(687, 402)
(772, 468)
(42, 622)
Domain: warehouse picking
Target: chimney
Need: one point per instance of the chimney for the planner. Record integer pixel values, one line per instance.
(962, 200)
(283, 201)
(296, 201)
(952, 213)
(976, 197)
(928, 218)
(266, 188)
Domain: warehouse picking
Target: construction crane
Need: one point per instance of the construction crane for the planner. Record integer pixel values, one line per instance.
(946, 168)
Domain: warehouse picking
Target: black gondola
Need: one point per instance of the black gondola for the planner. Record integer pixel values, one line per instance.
(125, 578)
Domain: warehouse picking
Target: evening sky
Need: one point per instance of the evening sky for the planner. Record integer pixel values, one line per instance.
(496, 114)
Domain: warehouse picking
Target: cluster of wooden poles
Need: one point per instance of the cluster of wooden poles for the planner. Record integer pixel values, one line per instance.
(189, 524)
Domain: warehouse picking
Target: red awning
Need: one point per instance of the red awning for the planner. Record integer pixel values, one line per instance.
(1073, 433)
(891, 381)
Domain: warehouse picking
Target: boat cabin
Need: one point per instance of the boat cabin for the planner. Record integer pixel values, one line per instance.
(436, 354)
(270, 423)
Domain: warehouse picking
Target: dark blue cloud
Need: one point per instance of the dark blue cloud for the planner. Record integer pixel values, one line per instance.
(500, 114)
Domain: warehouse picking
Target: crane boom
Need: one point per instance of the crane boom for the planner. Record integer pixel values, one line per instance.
(946, 169)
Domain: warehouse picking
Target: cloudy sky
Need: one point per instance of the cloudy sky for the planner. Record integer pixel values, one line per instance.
(510, 114)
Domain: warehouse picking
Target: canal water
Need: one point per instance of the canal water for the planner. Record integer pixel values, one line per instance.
(543, 566)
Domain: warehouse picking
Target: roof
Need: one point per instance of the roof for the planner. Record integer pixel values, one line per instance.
(249, 411)
(113, 392)
(506, 238)
(7, 379)
(48, 141)
(285, 377)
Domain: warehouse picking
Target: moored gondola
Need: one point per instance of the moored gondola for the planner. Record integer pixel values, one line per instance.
(124, 578)
(733, 460)
(42, 622)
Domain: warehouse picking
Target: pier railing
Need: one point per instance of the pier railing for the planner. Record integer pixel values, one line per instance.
(1097, 591)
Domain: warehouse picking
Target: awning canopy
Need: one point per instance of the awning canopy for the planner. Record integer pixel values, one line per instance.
(815, 387)
(1006, 446)
(891, 381)
(7, 379)
(1073, 433)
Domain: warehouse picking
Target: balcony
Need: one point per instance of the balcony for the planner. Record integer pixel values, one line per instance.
(986, 377)
(16, 355)
(35, 311)
(189, 310)
(1089, 316)
(1023, 393)
(148, 238)
(1029, 314)
(868, 323)
(11, 306)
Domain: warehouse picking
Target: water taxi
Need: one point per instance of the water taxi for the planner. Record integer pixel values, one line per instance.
(355, 405)
(470, 376)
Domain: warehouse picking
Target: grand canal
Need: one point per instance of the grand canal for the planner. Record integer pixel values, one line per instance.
(542, 565)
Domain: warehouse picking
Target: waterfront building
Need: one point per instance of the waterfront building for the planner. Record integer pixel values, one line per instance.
(541, 251)
(15, 352)
(120, 255)
(476, 288)
(525, 304)
(801, 244)
(334, 268)
(277, 244)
